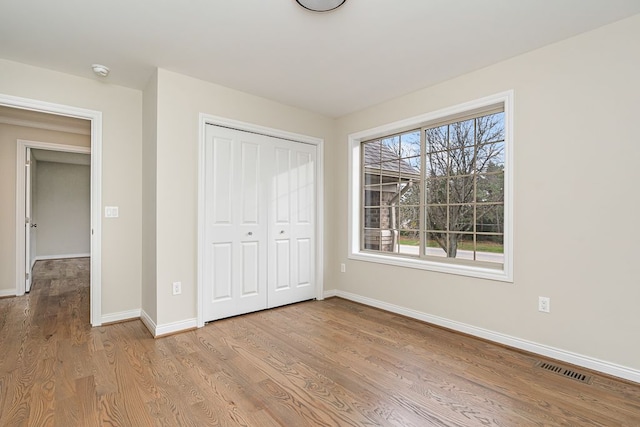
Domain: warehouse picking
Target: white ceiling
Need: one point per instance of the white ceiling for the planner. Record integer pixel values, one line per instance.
(361, 54)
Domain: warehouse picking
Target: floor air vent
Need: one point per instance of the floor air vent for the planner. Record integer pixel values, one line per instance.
(564, 372)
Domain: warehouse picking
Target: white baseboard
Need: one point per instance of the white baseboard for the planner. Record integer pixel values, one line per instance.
(330, 293)
(541, 349)
(167, 328)
(8, 292)
(150, 324)
(120, 316)
(63, 256)
(172, 328)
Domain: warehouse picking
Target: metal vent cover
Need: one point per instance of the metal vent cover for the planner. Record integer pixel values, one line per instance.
(568, 373)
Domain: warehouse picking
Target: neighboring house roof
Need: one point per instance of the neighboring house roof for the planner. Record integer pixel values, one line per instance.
(380, 154)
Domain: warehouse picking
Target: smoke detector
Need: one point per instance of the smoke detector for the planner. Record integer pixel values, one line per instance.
(321, 5)
(100, 70)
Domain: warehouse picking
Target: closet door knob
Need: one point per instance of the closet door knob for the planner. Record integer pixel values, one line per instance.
(281, 231)
(250, 233)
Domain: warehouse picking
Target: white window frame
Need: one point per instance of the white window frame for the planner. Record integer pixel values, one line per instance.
(354, 146)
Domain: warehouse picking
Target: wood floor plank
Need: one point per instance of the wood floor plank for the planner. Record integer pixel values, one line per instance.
(318, 363)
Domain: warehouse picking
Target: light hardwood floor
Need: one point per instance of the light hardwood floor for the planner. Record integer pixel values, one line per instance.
(319, 363)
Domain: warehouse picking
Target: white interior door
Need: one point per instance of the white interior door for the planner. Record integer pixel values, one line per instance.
(292, 224)
(28, 221)
(260, 222)
(236, 224)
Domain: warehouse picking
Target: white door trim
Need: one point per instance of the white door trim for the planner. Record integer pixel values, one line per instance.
(205, 119)
(96, 195)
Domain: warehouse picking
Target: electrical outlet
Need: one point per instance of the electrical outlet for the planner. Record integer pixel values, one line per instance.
(544, 304)
(343, 268)
(177, 288)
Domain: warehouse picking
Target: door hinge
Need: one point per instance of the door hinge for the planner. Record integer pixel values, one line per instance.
(26, 276)
(28, 163)
(27, 220)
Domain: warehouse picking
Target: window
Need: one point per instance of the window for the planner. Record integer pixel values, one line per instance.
(434, 192)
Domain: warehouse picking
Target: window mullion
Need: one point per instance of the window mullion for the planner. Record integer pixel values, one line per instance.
(474, 169)
(448, 200)
(422, 220)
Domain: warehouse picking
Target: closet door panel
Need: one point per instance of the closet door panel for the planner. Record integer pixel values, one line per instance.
(295, 163)
(235, 280)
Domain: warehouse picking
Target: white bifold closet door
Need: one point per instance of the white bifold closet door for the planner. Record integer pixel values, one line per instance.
(259, 212)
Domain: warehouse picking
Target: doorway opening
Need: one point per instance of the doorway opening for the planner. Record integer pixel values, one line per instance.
(29, 108)
(57, 202)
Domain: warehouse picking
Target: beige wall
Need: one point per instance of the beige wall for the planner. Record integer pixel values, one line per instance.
(121, 159)
(576, 196)
(9, 135)
(180, 100)
(62, 209)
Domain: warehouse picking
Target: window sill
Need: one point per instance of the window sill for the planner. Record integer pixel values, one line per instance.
(440, 267)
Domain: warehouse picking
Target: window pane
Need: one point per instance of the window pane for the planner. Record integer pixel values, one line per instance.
(372, 176)
(372, 239)
(436, 190)
(462, 134)
(461, 161)
(387, 240)
(409, 217)
(437, 218)
(390, 147)
(490, 219)
(461, 189)
(437, 164)
(372, 196)
(490, 157)
(409, 242)
(390, 171)
(410, 167)
(372, 217)
(410, 194)
(464, 246)
(437, 138)
(371, 153)
(490, 128)
(410, 144)
(490, 188)
(461, 218)
(434, 243)
(490, 248)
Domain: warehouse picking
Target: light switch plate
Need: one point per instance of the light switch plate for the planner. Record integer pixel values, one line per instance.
(111, 212)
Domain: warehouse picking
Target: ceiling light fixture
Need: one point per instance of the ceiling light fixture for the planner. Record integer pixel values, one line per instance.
(100, 70)
(321, 5)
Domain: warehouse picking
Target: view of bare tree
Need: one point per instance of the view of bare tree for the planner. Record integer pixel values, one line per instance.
(465, 181)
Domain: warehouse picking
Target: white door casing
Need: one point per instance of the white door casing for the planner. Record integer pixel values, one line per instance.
(259, 214)
(28, 222)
